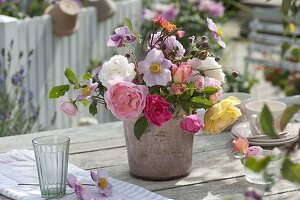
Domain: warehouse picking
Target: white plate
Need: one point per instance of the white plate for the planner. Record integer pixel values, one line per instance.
(243, 129)
(269, 144)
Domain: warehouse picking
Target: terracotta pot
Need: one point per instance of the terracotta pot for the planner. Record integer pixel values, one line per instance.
(105, 8)
(64, 17)
(163, 153)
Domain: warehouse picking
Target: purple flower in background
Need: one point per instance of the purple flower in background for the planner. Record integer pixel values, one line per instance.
(168, 11)
(2, 116)
(156, 68)
(101, 180)
(80, 191)
(122, 37)
(216, 32)
(214, 9)
(148, 14)
(88, 91)
(21, 100)
(3, 1)
(18, 77)
(2, 80)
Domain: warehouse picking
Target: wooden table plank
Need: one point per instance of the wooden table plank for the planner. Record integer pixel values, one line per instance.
(233, 188)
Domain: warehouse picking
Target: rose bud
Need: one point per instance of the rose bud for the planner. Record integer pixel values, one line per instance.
(203, 38)
(191, 39)
(203, 55)
(235, 74)
(204, 45)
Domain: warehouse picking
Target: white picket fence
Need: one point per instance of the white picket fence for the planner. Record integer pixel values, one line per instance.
(53, 54)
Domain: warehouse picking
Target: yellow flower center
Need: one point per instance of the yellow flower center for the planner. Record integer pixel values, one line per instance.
(103, 183)
(220, 33)
(292, 27)
(86, 91)
(155, 68)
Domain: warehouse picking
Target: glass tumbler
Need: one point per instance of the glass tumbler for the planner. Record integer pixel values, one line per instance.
(273, 170)
(52, 155)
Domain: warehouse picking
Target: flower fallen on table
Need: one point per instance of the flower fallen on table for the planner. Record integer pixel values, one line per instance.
(79, 189)
(101, 180)
(241, 148)
(253, 194)
(221, 115)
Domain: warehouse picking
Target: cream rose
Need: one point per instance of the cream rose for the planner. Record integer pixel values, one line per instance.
(212, 69)
(117, 66)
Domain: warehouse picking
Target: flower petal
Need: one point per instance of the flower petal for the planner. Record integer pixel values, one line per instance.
(94, 176)
(72, 180)
(102, 173)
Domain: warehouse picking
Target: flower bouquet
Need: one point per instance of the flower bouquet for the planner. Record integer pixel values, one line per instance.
(157, 97)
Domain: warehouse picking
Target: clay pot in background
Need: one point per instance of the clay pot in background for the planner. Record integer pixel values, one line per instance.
(105, 8)
(64, 17)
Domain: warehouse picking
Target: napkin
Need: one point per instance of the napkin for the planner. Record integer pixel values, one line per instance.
(18, 166)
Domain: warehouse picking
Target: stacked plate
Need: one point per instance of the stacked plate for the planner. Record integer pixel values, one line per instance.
(290, 134)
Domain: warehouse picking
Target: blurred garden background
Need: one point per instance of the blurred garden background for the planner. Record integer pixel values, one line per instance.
(39, 39)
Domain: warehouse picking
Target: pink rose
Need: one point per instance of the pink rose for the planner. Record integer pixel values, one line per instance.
(216, 84)
(254, 151)
(157, 110)
(182, 73)
(68, 107)
(198, 81)
(191, 123)
(177, 89)
(126, 100)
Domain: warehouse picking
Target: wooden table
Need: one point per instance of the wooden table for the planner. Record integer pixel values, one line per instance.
(215, 174)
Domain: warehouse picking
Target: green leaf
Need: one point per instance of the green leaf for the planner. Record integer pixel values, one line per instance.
(85, 102)
(284, 47)
(58, 91)
(209, 90)
(288, 114)
(285, 6)
(77, 85)
(201, 102)
(188, 93)
(70, 75)
(257, 165)
(93, 108)
(186, 106)
(87, 76)
(140, 126)
(296, 53)
(266, 122)
(130, 27)
(129, 24)
(291, 170)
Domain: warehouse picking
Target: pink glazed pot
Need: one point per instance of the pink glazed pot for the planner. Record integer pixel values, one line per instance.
(163, 153)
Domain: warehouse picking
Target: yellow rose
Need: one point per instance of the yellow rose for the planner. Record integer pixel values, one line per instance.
(221, 115)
